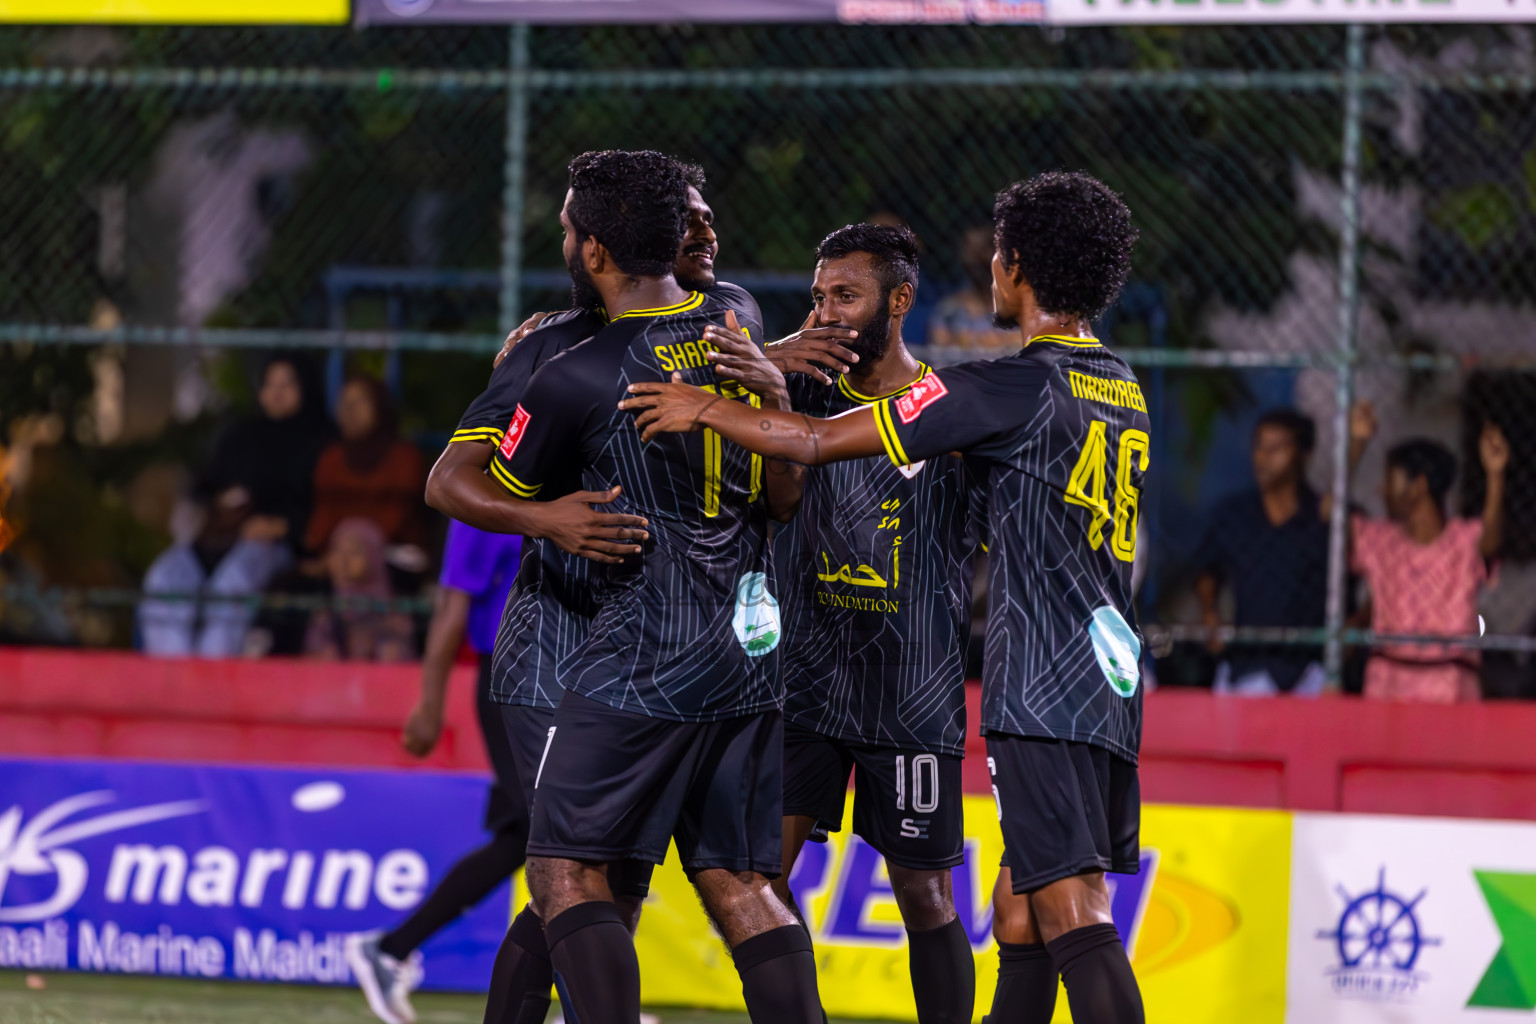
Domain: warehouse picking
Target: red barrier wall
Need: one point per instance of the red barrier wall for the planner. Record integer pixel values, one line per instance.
(1341, 754)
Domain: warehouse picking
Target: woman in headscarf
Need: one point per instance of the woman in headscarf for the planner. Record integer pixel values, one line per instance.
(370, 473)
(256, 497)
(357, 627)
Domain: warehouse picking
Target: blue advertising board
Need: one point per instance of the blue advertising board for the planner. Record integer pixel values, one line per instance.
(246, 873)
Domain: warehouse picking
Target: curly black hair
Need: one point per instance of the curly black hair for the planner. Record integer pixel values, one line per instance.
(1071, 236)
(893, 249)
(1421, 457)
(635, 202)
(693, 174)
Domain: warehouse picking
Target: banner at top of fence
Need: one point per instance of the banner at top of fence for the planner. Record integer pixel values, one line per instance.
(944, 12)
(176, 12)
(550, 12)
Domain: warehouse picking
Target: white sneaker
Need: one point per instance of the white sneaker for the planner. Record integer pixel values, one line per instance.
(385, 981)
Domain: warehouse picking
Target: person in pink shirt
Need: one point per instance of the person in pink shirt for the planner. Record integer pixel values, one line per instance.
(1425, 569)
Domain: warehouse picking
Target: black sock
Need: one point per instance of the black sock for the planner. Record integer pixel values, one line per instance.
(1101, 989)
(596, 970)
(1026, 984)
(943, 974)
(778, 977)
(522, 977)
(468, 882)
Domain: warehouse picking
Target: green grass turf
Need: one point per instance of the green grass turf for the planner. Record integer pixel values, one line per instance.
(118, 999)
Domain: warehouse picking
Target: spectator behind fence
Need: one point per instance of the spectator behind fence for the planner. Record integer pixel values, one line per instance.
(358, 628)
(370, 473)
(1424, 569)
(272, 455)
(255, 502)
(1270, 545)
(964, 319)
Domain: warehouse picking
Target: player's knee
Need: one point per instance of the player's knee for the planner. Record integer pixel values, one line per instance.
(925, 898)
(558, 884)
(1069, 904)
(1011, 918)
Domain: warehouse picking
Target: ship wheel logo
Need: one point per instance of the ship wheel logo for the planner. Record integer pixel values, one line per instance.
(1378, 933)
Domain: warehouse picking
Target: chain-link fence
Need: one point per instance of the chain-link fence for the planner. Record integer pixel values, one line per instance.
(1326, 213)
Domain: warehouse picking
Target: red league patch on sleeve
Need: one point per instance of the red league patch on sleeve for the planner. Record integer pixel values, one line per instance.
(515, 431)
(923, 394)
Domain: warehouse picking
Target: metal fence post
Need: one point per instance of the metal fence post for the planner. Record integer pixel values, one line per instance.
(1344, 367)
(516, 179)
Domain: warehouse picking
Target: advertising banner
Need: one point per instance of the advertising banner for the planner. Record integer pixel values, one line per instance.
(1260, 12)
(254, 874)
(664, 12)
(176, 12)
(1412, 919)
(937, 12)
(1204, 921)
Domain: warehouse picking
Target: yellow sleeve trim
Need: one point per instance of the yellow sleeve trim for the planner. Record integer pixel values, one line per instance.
(887, 428)
(490, 434)
(519, 489)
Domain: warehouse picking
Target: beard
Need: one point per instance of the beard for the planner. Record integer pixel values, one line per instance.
(584, 294)
(1004, 323)
(873, 340)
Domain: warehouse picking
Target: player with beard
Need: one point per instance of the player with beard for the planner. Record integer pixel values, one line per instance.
(549, 609)
(669, 728)
(1061, 431)
(876, 579)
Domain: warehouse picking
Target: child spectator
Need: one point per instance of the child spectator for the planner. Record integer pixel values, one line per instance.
(1269, 543)
(359, 631)
(1423, 568)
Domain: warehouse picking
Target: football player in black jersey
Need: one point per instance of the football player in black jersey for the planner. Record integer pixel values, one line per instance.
(875, 576)
(1060, 430)
(549, 609)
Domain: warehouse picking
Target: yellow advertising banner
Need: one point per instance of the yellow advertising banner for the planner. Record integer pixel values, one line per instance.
(177, 12)
(1205, 921)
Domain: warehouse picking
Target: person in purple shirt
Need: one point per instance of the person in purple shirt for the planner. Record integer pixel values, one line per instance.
(478, 569)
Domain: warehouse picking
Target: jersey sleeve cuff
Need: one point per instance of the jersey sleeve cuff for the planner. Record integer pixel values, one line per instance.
(480, 434)
(518, 489)
(887, 428)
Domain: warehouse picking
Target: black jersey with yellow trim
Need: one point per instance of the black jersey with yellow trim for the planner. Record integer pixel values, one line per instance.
(1060, 428)
(550, 606)
(876, 580)
(688, 629)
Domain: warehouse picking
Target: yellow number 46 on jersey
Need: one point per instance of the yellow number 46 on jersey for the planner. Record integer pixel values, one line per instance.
(1086, 485)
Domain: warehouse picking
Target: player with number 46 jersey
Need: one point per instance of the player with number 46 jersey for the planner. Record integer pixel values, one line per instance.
(1060, 431)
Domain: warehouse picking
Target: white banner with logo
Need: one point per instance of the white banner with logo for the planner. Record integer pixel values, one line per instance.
(1409, 920)
(1257, 12)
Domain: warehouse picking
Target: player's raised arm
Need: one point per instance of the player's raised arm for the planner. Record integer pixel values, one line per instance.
(681, 408)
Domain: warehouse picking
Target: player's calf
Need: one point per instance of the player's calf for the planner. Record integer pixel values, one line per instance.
(590, 947)
(1085, 947)
(770, 947)
(1026, 977)
(938, 948)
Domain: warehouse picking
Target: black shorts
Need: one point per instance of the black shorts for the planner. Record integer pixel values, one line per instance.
(506, 807)
(908, 805)
(617, 785)
(1066, 809)
(528, 730)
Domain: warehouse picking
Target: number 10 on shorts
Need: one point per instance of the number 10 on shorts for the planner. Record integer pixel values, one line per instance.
(925, 783)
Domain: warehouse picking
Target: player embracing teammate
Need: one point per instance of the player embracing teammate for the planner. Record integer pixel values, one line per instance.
(1060, 433)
